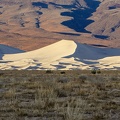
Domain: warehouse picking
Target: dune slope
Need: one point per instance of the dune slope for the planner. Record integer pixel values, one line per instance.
(64, 54)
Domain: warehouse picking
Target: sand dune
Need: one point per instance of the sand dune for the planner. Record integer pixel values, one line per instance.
(63, 55)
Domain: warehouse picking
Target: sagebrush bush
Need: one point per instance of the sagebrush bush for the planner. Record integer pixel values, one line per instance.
(98, 71)
(93, 71)
(49, 71)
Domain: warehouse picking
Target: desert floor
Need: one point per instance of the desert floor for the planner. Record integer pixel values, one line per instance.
(59, 95)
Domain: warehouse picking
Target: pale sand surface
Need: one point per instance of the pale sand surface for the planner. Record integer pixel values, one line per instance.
(62, 55)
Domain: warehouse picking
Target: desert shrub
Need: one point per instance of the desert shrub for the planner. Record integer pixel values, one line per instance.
(49, 71)
(93, 71)
(75, 109)
(98, 71)
(63, 80)
(62, 72)
(99, 116)
(114, 78)
(83, 77)
(61, 93)
(1, 74)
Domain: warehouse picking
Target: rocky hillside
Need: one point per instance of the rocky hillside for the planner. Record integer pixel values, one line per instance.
(32, 24)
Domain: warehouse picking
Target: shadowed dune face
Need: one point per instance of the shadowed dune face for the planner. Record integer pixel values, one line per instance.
(88, 52)
(8, 50)
(32, 24)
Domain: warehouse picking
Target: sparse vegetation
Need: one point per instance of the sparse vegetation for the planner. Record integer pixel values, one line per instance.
(62, 72)
(48, 71)
(93, 71)
(75, 95)
(98, 71)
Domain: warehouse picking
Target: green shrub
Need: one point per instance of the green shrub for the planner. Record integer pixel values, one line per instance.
(93, 71)
(49, 71)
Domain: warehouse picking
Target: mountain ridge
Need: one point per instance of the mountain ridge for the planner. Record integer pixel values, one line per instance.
(32, 24)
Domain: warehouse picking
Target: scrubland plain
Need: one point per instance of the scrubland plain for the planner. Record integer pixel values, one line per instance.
(59, 95)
